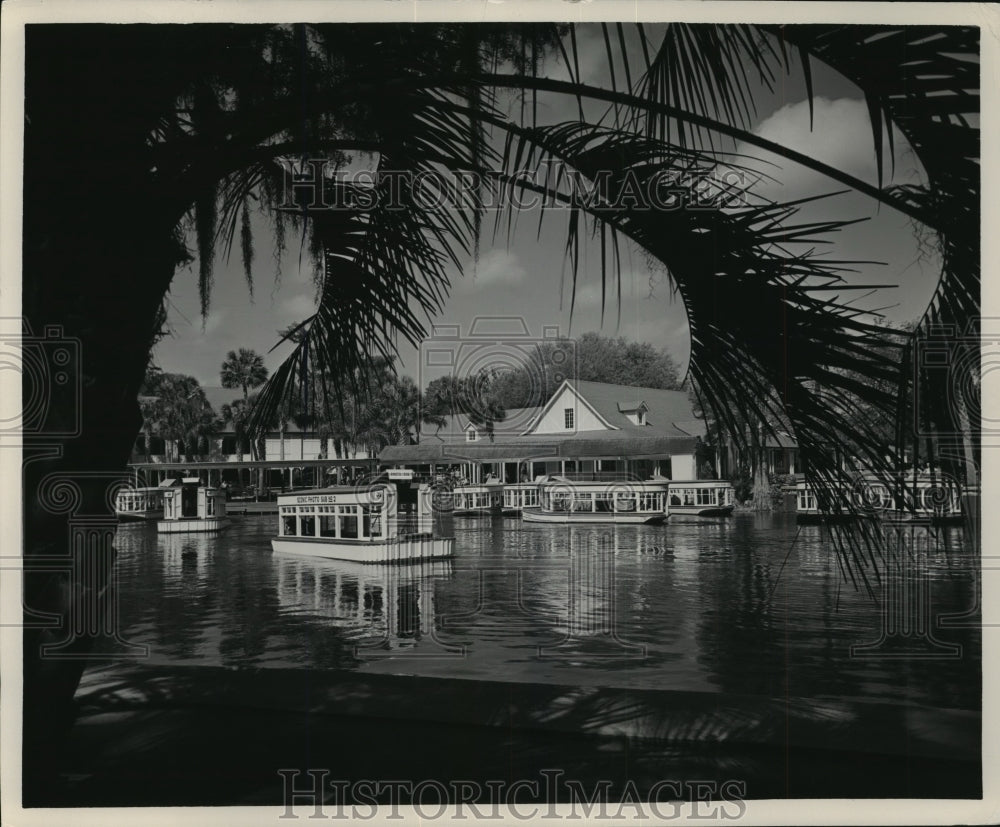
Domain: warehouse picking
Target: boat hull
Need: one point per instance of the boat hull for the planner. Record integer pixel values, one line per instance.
(401, 550)
(536, 515)
(476, 512)
(138, 516)
(193, 525)
(888, 518)
(697, 514)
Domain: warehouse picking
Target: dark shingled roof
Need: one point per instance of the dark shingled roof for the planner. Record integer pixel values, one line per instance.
(667, 411)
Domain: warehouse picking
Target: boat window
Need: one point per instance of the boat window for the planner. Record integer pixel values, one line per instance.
(348, 516)
(327, 525)
(647, 501)
(372, 521)
(210, 506)
(307, 525)
(583, 502)
(603, 503)
(625, 502)
(559, 501)
(288, 528)
(706, 496)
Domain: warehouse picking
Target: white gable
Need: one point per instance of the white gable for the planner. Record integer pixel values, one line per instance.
(553, 417)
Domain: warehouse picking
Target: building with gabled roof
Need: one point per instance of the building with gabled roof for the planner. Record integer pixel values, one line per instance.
(587, 428)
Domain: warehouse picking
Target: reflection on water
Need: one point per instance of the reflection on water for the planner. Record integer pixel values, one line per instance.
(752, 605)
(388, 609)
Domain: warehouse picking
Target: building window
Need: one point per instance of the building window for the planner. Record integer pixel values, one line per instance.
(471, 435)
(568, 416)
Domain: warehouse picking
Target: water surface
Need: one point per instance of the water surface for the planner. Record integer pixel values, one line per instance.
(751, 605)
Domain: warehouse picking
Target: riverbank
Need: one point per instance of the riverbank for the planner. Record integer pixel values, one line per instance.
(162, 736)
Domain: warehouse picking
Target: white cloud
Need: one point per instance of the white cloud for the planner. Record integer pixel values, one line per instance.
(589, 296)
(299, 306)
(494, 268)
(841, 136)
(213, 322)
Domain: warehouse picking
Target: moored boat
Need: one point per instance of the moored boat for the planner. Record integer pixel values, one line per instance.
(922, 498)
(520, 495)
(138, 504)
(566, 501)
(481, 500)
(378, 523)
(697, 500)
(192, 507)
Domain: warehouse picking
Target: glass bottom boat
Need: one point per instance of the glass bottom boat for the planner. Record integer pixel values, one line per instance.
(139, 504)
(566, 501)
(193, 508)
(483, 500)
(925, 498)
(520, 495)
(377, 523)
(698, 500)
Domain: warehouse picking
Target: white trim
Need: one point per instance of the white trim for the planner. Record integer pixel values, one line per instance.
(580, 398)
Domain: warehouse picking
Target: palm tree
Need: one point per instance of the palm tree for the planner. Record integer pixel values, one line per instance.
(203, 143)
(185, 416)
(244, 369)
(393, 414)
(237, 414)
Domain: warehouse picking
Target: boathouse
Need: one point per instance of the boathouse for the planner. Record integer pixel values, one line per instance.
(586, 429)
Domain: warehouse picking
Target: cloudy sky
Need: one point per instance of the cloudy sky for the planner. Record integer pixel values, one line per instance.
(521, 276)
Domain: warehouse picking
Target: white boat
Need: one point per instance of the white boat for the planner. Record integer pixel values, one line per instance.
(378, 523)
(135, 504)
(478, 500)
(567, 501)
(520, 495)
(698, 500)
(192, 507)
(922, 498)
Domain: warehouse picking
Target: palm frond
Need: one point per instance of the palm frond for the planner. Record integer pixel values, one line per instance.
(766, 338)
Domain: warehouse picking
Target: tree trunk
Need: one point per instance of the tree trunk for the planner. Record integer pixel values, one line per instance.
(761, 486)
(82, 449)
(99, 252)
(761, 480)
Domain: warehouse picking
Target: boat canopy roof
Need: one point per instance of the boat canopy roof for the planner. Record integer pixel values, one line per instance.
(337, 494)
(610, 486)
(360, 488)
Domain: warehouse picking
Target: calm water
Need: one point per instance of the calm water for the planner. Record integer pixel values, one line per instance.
(752, 605)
